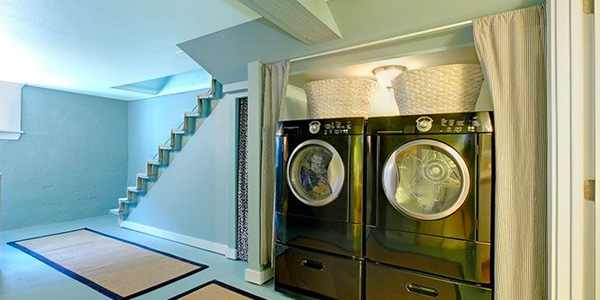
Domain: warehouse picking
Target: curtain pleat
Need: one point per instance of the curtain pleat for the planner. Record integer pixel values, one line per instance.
(512, 50)
(275, 86)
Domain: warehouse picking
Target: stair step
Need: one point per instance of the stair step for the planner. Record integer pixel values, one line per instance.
(133, 189)
(114, 211)
(193, 114)
(155, 162)
(179, 131)
(146, 176)
(125, 200)
(166, 147)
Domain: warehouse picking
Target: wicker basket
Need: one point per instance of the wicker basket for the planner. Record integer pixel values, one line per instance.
(441, 89)
(340, 97)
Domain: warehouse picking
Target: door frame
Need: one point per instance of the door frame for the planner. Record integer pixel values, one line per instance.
(566, 149)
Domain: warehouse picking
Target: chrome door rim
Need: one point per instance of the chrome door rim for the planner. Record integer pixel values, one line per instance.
(390, 179)
(336, 160)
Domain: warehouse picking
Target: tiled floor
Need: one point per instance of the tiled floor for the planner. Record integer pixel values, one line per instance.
(23, 277)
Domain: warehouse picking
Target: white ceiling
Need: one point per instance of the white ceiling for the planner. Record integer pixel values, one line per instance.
(90, 46)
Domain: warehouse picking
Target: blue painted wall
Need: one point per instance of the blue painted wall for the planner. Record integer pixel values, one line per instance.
(150, 122)
(70, 162)
(196, 196)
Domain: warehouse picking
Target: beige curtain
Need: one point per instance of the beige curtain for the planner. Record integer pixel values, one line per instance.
(275, 85)
(512, 50)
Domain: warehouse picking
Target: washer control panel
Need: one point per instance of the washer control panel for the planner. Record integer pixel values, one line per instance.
(337, 127)
(348, 126)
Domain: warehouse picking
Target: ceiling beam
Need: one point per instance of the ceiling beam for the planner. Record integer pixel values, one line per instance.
(309, 21)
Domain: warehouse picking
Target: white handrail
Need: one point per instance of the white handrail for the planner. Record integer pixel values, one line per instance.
(392, 39)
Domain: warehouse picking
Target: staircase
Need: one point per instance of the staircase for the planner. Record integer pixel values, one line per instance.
(155, 167)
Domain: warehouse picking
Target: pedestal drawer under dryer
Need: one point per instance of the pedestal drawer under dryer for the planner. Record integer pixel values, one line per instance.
(317, 274)
(390, 283)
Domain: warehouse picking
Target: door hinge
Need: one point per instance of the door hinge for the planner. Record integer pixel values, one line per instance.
(589, 190)
(588, 6)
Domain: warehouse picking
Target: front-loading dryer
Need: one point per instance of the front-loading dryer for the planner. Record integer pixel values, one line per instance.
(429, 206)
(319, 207)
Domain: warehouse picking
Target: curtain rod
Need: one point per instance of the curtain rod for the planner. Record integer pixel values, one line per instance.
(392, 39)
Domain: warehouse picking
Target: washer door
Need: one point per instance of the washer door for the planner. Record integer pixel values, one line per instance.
(315, 173)
(426, 179)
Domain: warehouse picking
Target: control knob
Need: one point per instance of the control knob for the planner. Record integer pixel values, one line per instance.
(314, 127)
(424, 124)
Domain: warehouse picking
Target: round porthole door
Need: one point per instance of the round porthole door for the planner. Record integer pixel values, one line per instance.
(426, 179)
(315, 173)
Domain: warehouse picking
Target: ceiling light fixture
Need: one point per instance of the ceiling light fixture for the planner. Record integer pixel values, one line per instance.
(385, 74)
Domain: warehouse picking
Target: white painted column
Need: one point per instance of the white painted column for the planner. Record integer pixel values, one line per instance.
(255, 273)
(559, 136)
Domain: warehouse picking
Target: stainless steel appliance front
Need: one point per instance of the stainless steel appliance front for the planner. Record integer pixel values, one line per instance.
(319, 208)
(430, 200)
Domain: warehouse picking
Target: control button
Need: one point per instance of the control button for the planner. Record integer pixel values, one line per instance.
(338, 125)
(314, 127)
(444, 122)
(460, 123)
(451, 122)
(337, 131)
(349, 126)
(424, 124)
(346, 131)
(476, 123)
(327, 126)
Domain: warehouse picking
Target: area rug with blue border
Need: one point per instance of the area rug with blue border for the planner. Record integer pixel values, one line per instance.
(115, 267)
(215, 289)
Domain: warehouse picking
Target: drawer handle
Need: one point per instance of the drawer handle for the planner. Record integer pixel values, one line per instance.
(422, 290)
(312, 264)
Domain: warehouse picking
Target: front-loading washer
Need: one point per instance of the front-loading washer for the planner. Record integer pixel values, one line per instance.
(429, 214)
(319, 207)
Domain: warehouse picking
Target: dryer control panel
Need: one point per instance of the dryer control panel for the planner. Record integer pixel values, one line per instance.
(432, 124)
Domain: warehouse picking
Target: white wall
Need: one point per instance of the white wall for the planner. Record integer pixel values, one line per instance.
(295, 104)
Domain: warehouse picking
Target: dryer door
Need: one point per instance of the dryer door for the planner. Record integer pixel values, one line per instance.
(426, 179)
(315, 173)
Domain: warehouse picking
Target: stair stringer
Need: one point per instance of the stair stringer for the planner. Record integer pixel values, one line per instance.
(194, 200)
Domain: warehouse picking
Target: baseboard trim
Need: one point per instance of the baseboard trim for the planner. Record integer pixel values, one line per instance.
(183, 239)
(258, 277)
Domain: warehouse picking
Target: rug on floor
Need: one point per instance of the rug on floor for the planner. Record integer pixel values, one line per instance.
(112, 266)
(215, 289)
